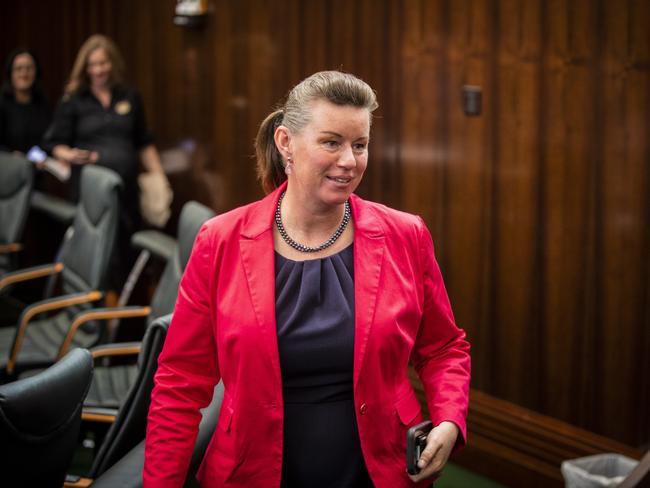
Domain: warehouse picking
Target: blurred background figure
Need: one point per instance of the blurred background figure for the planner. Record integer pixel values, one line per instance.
(24, 111)
(101, 120)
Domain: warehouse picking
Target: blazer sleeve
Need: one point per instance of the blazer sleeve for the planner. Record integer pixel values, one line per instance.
(188, 370)
(441, 353)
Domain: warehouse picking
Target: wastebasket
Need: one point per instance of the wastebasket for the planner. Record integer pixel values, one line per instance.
(600, 470)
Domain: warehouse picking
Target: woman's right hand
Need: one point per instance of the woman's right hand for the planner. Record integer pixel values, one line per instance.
(75, 155)
(82, 156)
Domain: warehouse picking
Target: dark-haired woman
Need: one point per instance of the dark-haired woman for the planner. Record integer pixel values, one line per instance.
(24, 112)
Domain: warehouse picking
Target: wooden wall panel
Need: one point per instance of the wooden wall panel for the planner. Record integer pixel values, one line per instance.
(624, 210)
(567, 123)
(516, 201)
(382, 58)
(422, 62)
(539, 207)
(467, 238)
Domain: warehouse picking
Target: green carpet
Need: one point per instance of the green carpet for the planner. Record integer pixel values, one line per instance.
(453, 476)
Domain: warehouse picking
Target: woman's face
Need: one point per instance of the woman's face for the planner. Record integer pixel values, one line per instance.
(99, 68)
(23, 72)
(330, 154)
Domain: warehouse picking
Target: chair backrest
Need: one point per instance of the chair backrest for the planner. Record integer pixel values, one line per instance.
(192, 217)
(130, 424)
(40, 417)
(87, 252)
(129, 427)
(16, 182)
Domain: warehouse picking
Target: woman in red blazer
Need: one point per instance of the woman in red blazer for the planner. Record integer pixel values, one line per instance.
(309, 305)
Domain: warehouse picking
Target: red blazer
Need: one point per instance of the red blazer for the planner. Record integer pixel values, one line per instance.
(224, 328)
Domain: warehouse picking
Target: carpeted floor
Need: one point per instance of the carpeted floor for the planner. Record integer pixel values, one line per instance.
(455, 476)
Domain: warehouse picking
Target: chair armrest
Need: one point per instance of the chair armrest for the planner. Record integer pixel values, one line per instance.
(77, 482)
(45, 306)
(11, 247)
(100, 314)
(30, 273)
(100, 414)
(116, 349)
(97, 414)
(59, 209)
(155, 242)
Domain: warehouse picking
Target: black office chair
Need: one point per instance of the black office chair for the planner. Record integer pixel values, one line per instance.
(85, 255)
(16, 182)
(40, 418)
(120, 393)
(127, 472)
(112, 382)
(130, 423)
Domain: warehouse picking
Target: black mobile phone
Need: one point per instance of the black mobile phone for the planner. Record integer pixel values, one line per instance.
(416, 441)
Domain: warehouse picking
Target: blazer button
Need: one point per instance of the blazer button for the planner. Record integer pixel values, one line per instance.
(363, 409)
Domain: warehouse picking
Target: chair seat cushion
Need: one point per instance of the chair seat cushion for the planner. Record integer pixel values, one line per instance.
(110, 385)
(42, 341)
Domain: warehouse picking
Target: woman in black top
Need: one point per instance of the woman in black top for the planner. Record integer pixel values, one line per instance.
(101, 121)
(24, 112)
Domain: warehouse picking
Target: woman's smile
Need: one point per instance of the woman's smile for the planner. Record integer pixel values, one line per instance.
(341, 182)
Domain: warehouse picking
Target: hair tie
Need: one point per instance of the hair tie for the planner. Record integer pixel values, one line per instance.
(277, 120)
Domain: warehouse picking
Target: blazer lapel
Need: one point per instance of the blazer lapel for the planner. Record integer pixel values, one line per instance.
(369, 245)
(258, 261)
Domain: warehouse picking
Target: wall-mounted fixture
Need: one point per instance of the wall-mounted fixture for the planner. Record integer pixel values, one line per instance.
(191, 13)
(472, 98)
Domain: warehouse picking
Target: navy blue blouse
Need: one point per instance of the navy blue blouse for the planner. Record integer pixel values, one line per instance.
(315, 325)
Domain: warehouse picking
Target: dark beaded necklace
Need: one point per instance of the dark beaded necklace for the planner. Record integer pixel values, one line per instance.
(301, 247)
